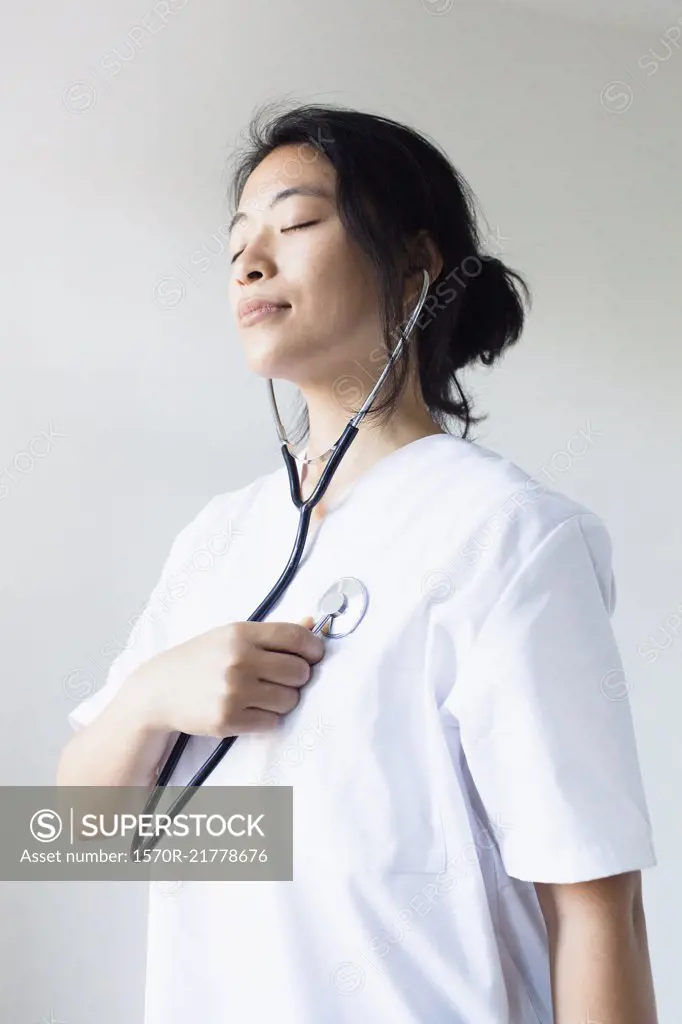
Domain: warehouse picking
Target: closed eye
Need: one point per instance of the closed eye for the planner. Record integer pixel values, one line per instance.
(294, 227)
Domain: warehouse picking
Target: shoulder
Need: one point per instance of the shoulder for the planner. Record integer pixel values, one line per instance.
(515, 520)
(499, 491)
(216, 523)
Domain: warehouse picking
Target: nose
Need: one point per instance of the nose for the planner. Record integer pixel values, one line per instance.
(255, 271)
(255, 263)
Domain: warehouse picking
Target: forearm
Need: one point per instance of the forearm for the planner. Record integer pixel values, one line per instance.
(601, 972)
(119, 748)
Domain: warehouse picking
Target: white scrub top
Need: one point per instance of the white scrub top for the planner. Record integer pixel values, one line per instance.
(473, 735)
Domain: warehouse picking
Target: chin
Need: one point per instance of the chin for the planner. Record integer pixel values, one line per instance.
(274, 357)
(272, 364)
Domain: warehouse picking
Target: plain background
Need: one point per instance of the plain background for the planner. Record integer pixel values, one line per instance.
(117, 126)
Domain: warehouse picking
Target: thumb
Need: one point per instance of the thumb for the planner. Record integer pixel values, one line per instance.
(308, 622)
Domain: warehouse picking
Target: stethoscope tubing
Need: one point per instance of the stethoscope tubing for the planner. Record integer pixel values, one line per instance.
(267, 604)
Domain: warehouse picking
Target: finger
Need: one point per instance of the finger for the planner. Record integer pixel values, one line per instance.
(289, 637)
(273, 697)
(255, 720)
(285, 669)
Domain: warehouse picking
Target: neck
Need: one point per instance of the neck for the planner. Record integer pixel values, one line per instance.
(408, 422)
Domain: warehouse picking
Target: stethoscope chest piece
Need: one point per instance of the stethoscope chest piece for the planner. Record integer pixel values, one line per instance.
(342, 607)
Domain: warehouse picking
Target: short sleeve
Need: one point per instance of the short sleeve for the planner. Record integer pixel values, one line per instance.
(545, 719)
(150, 634)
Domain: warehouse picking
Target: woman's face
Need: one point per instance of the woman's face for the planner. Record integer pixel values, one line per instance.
(292, 249)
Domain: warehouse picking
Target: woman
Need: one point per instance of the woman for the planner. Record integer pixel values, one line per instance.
(469, 820)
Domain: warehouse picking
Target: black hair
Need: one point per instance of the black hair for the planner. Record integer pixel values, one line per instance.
(392, 183)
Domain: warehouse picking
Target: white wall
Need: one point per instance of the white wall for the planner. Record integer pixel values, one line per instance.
(113, 180)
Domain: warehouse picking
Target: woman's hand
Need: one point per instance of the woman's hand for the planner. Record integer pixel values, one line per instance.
(237, 678)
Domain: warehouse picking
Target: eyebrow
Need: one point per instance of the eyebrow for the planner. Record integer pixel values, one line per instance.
(295, 190)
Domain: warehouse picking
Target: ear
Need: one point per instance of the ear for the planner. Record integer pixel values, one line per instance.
(424, 255)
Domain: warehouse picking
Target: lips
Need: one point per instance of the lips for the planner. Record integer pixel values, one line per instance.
(253, 306)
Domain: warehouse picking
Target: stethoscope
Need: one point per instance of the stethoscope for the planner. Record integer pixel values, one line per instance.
(342, 606)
